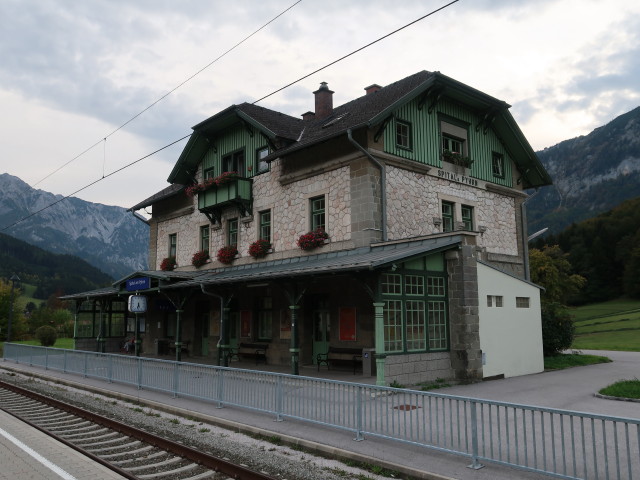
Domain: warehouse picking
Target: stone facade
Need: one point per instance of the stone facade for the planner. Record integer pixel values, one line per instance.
(413, 369)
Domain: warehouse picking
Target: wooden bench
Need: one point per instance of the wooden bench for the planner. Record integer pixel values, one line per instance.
(184, 348)
(350, 355)
(251, 350)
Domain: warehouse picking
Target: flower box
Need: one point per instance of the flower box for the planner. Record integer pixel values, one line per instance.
(199, 258)
(168, 264)
(227, 254)
(259, 248)
(314, 239)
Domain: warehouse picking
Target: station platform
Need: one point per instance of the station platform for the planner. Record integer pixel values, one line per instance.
(28, 454)
(410, 460)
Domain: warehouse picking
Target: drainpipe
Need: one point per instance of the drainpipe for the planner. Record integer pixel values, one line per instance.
(223, 342)
(525, 241)
(383, 183)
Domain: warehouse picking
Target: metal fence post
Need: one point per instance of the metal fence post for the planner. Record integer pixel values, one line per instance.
(46, 359)
(359, 415)
(476, 465)
(176, 379)
(220, 388)
(64, 362)
(139, 373)
(110, 370)
(279, 399)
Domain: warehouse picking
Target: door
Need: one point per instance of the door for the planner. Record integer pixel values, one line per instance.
(234, 327)
(321, 331)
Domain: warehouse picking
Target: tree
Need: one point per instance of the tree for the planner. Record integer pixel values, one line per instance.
(9, 300)
(550, 268)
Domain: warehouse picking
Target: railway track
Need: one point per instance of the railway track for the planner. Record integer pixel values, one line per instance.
(129, 451)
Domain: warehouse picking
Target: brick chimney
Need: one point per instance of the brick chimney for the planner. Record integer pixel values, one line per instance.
(372, 88)
(308, 116)
(324, 101)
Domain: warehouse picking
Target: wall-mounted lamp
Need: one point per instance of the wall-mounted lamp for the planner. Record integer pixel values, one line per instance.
(437, 221)
(482, 229)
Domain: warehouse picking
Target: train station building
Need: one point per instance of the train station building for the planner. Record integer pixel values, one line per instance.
(387, 234)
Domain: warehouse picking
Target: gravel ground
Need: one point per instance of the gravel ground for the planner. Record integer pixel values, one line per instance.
(260, 454)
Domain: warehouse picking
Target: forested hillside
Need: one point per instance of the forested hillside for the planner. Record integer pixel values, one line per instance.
(51, 273)
(606, 251)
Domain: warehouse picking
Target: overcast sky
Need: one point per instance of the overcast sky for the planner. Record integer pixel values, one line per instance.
(73, 71)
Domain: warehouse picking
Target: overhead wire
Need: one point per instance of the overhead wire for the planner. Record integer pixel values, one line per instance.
(168, 93)
(256, 101)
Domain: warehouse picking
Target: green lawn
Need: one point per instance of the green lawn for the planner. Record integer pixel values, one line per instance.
(623, 389)
(559, 362)
(66, 343)
(612, 325)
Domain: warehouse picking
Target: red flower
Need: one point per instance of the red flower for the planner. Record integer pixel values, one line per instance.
(168, 264)
(227, 254)
(225, 177)
(259, 248)
(199, 258)
(312, 240)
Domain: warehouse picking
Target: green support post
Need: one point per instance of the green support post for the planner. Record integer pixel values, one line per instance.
(137, 335)
(178, 342)
(223, 346)
(295, 346)
(379, 332)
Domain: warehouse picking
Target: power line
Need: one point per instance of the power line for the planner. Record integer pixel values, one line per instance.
(358, 50)
(260, 99)
(104, 139)
(94, 182)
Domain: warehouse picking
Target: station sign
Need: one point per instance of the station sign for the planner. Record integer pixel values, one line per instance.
(140, 283)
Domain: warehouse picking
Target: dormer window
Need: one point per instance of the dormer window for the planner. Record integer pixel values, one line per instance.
(403, 135)
(234, 162)
(454, 138)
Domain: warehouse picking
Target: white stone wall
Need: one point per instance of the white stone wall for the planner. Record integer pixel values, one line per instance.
(416, 368)
(414, 200)
(289, 217)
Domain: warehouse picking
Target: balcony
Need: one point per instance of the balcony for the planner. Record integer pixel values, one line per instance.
(236, 192)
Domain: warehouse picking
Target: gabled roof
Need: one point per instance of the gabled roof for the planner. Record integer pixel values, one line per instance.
(269, 123)
(170, 191)
(366, 111)
(360, 259)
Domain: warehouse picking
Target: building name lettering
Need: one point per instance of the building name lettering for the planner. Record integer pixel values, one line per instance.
(457, 178)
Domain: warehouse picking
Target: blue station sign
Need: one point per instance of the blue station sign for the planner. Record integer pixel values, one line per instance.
(140, 283)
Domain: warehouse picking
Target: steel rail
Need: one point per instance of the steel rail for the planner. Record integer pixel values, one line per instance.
(214, 463)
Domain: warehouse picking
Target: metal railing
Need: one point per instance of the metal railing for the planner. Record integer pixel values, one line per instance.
(560, 443)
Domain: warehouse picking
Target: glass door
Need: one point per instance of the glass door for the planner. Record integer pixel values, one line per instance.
(321, 332)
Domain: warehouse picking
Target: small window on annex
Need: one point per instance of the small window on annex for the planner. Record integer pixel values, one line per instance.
(232, 232)
(265, 225)
(522, 302)
(234, 162)
(415, 315)
(261, 165)
(204, 238)
(497, 165)
(403, 134)
(317, 209)
(494, 300)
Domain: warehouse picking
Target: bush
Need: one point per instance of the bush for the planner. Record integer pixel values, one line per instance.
(558, 329)
(47, 335)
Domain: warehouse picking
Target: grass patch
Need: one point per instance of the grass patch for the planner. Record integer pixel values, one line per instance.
(66, 343)
(623, 389)
(438, 383)
(559, 362)
(612, 325)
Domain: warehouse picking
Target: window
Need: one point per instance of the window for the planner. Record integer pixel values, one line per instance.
(265, 319)
(265, 225)
(447, 216)
(261, 165)
(497, 165)
(234, 162)
(317, 213)
(209, 173)
(173, 244)
(494, 300)
(204, 238)
(452, 144)
(415, 312)
(467, 217)
(232, 232)
(522, 302)
(403, 134)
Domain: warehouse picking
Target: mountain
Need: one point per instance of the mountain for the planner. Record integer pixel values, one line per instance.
(107, 237)
(591, 174)
(52, 274)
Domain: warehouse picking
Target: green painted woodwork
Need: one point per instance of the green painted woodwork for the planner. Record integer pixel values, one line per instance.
(237, 190)
(232, 140)
(426, 139)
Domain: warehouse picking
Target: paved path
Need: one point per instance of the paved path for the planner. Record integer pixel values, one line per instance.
(28, 454)
(570, 389)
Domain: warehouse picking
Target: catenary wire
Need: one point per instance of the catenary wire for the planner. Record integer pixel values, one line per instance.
(256, 101)
(168, 93)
